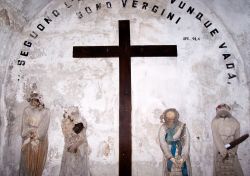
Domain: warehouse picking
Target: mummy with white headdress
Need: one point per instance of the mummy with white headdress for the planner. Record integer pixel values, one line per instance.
(34, 133)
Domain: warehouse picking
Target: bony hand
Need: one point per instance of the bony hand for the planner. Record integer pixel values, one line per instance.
(231, 153)
(174, 161)
(72, 148)
(224, 155)
(180, 162)
(33, 135)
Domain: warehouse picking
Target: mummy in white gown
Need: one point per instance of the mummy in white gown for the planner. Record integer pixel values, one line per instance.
(75, 153)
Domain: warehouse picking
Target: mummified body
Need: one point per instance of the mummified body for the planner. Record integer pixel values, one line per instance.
(175, 143)
(35, 123)
(225, 129)
(75, 153)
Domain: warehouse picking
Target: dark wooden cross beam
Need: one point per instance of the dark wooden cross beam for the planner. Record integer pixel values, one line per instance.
(125, 51)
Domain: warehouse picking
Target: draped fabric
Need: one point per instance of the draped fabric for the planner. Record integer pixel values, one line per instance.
(74, 164)
(181, 146)
(224, 131)
(33, 160)
(175, 151)
(34, 151)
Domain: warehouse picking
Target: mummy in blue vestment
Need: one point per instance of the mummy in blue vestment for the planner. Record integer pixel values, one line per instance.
(175, 144)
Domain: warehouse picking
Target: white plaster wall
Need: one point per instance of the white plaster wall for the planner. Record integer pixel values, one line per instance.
(26, 9)
(194, 83)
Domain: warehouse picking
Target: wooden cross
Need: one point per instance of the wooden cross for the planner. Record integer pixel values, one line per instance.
(125, 51)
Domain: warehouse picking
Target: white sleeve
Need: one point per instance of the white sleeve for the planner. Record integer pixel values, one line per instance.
(163, 144)
(24, 128)
(186, 144)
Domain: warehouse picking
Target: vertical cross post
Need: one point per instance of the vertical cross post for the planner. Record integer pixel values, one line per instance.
(125, 51)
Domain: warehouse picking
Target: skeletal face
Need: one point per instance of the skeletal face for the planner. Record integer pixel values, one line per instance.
(223, 113)
(170, 119)
(70, 115)
(34, 102)
(67, 115)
